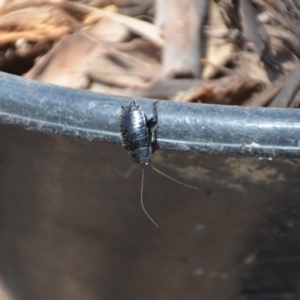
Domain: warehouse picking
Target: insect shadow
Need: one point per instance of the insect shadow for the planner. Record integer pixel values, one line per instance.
(139, 137)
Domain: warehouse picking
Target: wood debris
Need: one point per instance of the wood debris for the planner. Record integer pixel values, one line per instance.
(242, 52)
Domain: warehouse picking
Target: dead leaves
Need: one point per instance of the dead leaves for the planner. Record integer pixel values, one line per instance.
(228, 91)
(208, 51)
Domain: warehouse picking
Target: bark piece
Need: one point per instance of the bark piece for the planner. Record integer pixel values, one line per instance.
(254, 32)
(182, 27)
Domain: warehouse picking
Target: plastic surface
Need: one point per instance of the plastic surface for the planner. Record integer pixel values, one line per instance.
(72, 227)
(212, 129)
(71, 223)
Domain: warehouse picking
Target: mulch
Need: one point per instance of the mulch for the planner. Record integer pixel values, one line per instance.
(221, 52)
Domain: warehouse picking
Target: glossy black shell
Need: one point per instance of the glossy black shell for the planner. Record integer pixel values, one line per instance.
(136, 134)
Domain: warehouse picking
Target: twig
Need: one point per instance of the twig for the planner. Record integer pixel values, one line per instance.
(182, 28)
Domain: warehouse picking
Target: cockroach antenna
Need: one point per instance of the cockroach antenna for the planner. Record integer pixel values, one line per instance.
(161, 173)
(142, 202)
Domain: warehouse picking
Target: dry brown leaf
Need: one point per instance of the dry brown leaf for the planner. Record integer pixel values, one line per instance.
(66, 65)
(92, 18)
(234, 93)
(37, 36)
(140, 27)
(31, 18)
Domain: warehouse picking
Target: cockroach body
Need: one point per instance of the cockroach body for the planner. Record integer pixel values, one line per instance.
(139, 133)
(139, 137)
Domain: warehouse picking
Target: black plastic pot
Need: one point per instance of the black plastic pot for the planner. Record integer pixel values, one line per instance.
(71, 224)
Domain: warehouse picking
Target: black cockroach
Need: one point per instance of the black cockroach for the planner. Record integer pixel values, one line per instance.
(139, 137)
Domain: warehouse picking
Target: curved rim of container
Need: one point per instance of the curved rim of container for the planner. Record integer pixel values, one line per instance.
(201, 128)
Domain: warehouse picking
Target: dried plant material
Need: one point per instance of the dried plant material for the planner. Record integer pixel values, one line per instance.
(31, 18)
(197, 94)
(57, 66)
(161, 89)
(254, 32)
(283, 26)
(35, 24)
(234, 93)
(96, 64)
(100, 3)
(218, 68)
(106, 50)
(142, 28)
(182, 24)
(117, 79)
(146, 54)
(92, 18)
(107, 31)
(38, 36)
(218, 49)
(266, 96)
(286, 96)
(249, 63)
(134, 8)
(106, 71)
(105, 89)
